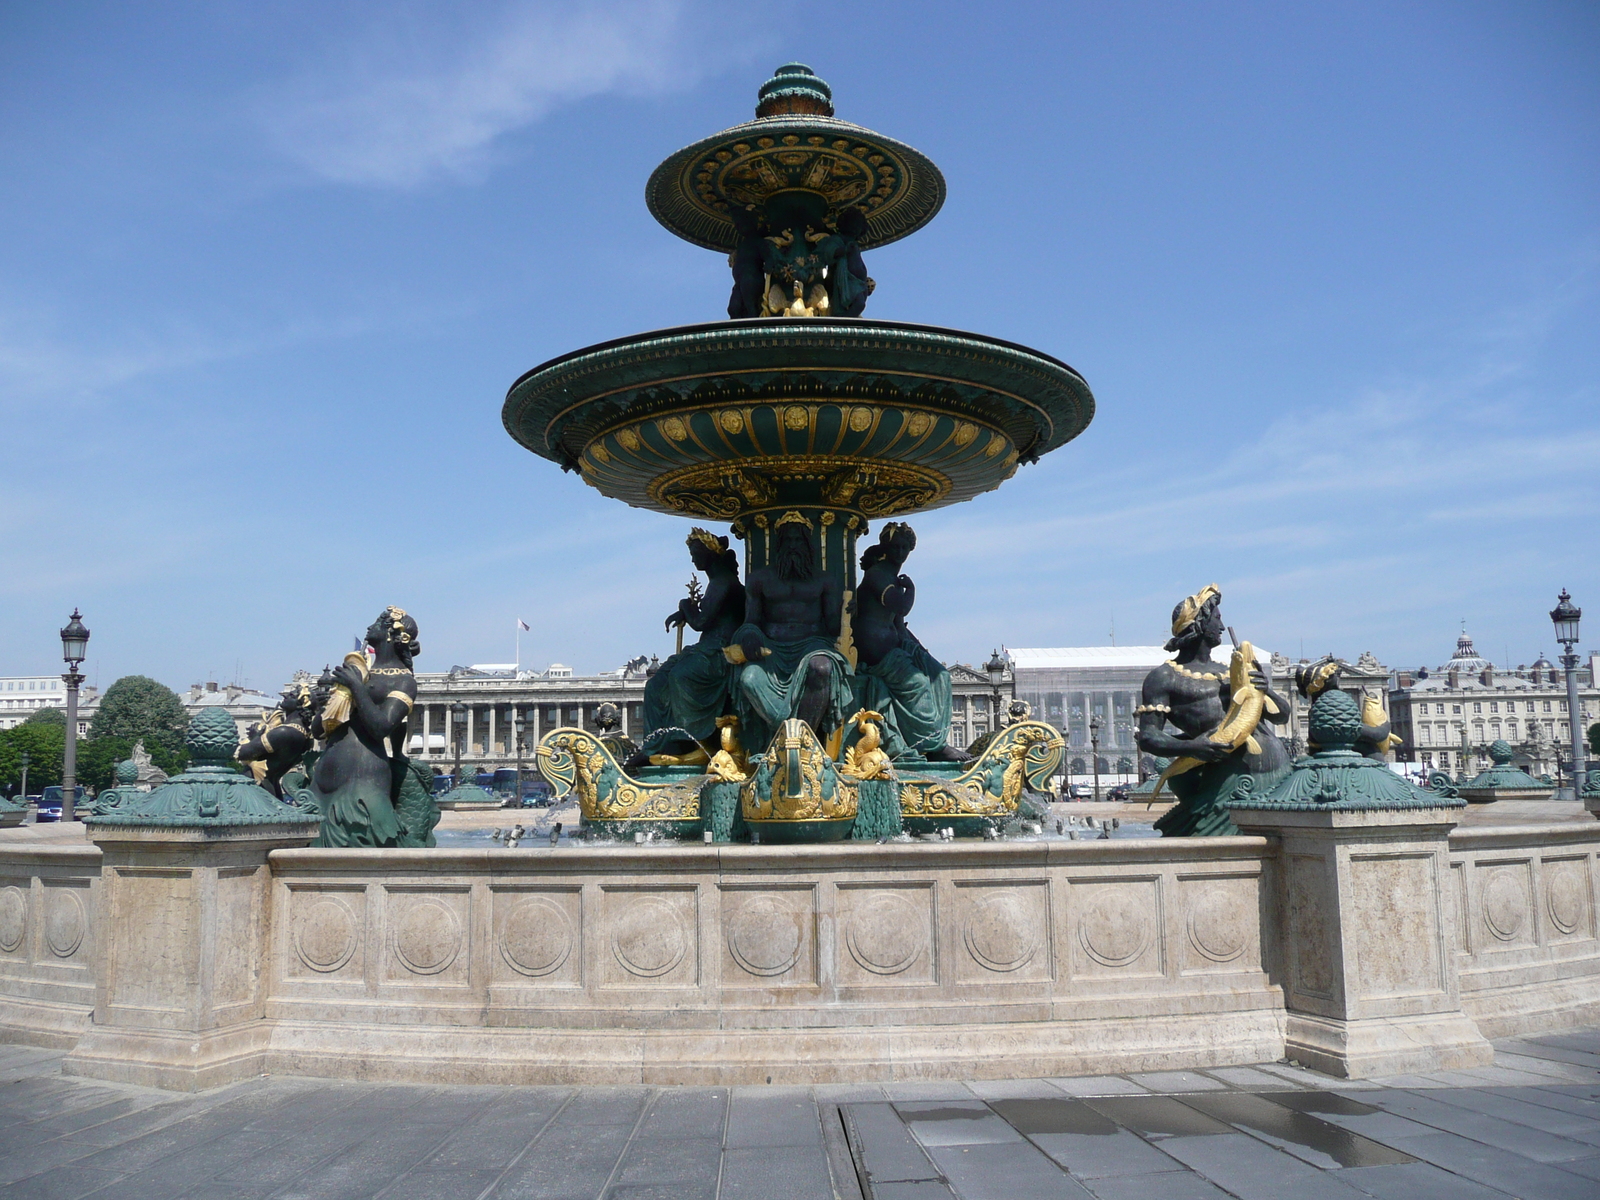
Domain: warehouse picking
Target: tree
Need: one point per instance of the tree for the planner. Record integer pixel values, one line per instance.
(48, 716)
(138, 708)
(44, 744)
(98, 759)
(1594, 739)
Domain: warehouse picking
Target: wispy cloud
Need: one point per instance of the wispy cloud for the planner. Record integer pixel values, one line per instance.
(397, 110)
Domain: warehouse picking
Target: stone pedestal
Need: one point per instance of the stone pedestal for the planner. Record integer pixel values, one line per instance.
(1368, 934)
(180, 976)
(181, 949)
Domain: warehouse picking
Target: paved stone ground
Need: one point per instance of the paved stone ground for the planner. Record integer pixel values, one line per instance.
(1527, 1127)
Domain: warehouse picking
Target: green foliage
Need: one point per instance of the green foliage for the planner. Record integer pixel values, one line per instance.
(48, 716)
(1594, 739)
(98, 759)
(137, 708)
(44, 745)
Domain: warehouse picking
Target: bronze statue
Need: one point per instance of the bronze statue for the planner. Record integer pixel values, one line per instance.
(787, 652)
(895, 673)
(690, 690)
(1223, 744)
(357, 781)
(1375, 739)
(276, 745)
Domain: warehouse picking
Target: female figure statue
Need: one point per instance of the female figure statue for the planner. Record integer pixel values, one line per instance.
(357, 779)
(691, 689)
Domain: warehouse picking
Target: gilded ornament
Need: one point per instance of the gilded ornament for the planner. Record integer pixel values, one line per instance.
(1025, 754)
(860, 419)
(600, 453)
(673, 427)
(865, 759)
(918, 424)
(629, 438)
(796, 418)
(571, 760)
(965, 432)
(797, 781)
(731, 420)
(996, 444)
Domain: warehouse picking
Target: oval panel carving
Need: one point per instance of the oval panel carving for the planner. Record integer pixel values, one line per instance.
(1113, 931)
(1217, 929)
(64, 922)
(1000, 932)
(764, 937)
(1505, 905)
(427, 937)
(1566, 895)
(537, 937)
(650, 938)
(326, 938)
(886, 934)
(13, 918)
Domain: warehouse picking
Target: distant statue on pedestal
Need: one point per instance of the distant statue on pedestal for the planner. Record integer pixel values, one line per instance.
(787, 651)
(895, 673)
(1220, 739)
(277, 744)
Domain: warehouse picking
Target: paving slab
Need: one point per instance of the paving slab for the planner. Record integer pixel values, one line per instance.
(1252, 1170)
(1497, 1168)
(1417, 1181)
(1181, 1185)
(1005, 1171)
(1099, 1085)
(776, 1173)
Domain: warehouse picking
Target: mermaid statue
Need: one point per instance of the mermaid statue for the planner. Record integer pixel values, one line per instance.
(362, 780)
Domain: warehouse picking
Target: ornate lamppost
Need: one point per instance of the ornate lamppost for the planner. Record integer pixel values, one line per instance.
(516, 734)
(458, 734)
(24, 758)
(1565, 617)
(1094, 752)
(74, 648)
(996, 668)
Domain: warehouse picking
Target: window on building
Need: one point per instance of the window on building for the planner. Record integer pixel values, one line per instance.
(1455, 708)
(1494, 706)
(1547, 706)
(1477, 706)
(1530, 705)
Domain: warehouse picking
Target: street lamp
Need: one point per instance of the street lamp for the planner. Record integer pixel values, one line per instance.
(1565, 616)
(74, 648)
(25, 758)
(516, 733)
(996, 667)
(458, 732)
(1094, 752)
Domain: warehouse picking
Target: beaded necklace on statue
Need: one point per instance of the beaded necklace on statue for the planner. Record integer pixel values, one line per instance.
(1183, 670)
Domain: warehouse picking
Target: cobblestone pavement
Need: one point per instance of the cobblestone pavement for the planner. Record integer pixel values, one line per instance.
(1529, 1126)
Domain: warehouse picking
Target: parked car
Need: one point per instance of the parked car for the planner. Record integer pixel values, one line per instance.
(1119, 794)
(443, 783)
(50, 804)
(536, 793)
(1079, 791)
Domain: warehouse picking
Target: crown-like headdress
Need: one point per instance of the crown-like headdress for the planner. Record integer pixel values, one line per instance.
(793, 516)
(1190, 608)
(706, 538)
(397, 625)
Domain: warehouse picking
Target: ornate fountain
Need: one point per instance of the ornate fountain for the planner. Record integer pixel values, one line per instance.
(798, 418)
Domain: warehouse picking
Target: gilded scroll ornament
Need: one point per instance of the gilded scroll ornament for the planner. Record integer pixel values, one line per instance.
(1023, 755)
(571, 760)
(795, 780)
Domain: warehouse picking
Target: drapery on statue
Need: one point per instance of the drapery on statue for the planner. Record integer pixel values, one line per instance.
(361, 776)
(895, 674)
(691, 689)
(787, 651)
(277, 744)
(1222, 720)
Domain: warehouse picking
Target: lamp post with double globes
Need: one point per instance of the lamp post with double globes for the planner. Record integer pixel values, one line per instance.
(1565, 616)
(74, 649)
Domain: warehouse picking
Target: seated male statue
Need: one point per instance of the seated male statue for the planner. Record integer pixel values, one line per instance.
(1195, 697)
(895, 674)
(788, 644)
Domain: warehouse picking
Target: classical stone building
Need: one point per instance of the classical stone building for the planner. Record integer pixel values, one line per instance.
(495, 696)
(1448, 716)
(23, 695)
(1068, 686)
(1363, 679)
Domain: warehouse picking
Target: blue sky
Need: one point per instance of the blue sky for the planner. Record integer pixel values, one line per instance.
(1332, 271)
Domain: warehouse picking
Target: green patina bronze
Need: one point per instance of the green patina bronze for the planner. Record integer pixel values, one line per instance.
(1503, 781)
(798, 423)
(1338, 777)
(210, 794)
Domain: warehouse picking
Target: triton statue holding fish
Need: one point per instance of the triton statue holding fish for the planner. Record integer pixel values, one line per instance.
(1213, 722)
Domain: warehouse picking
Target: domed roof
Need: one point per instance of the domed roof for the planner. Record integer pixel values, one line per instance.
(1466, 657)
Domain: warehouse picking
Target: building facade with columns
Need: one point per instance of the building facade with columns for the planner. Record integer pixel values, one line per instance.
(1449, 715)
(497, 697)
